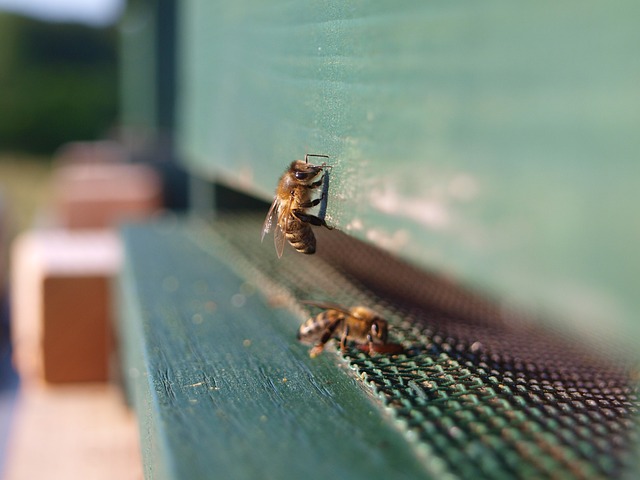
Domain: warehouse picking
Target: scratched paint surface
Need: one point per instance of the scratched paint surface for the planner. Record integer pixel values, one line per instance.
(495, 142)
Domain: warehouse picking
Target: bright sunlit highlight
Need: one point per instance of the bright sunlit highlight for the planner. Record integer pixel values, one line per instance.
(94, 12)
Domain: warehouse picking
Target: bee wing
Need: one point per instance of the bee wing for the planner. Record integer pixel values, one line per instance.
(334, 306)
(279, 212)
(328, 306)
(279, 238)
(268, 221)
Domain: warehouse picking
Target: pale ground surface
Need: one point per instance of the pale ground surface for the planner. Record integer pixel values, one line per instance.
(73, 432)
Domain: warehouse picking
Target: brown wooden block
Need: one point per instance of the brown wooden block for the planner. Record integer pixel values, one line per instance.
(76, 336)
(61, 318)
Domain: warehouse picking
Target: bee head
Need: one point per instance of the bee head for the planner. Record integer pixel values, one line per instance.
(379, 330)
(304, 172)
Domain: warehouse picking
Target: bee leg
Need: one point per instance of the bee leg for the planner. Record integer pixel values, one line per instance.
(316, 184)
(316, 350)
(324, 179)
(310, 204)
(370, 341)
(326, 336)
(343, 340)
(322, 211)
(312, 219)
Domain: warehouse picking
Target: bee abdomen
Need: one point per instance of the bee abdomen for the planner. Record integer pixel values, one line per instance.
(313, 327)
(302, 239)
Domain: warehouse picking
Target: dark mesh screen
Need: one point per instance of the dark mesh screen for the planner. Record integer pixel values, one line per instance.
(480, 391)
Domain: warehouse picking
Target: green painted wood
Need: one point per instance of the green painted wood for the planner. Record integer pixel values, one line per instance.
(495, 141)
(148, 68)
(138, 92)
(220, 385)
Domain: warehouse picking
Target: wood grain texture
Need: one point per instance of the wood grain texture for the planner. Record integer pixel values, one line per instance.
(493, 141)
(221, 387)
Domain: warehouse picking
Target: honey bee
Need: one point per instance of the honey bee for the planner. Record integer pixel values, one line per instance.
(359, 324)
(292, 200)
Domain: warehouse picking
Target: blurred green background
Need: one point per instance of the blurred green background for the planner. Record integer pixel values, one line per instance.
(58, 82)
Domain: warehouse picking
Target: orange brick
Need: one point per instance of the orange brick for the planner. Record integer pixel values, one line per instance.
(76, 337)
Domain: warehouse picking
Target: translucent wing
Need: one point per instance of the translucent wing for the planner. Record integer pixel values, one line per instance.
(268, 221)
(279, 213)
(282, 224)
(328, 306)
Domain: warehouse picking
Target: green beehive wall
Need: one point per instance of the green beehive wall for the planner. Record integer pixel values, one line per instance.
(138, 94)
(494, 141)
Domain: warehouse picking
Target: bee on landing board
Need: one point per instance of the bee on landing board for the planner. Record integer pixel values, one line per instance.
(359, 324)
(292, 201)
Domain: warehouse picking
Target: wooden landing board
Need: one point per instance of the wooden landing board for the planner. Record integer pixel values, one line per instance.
(220, 385)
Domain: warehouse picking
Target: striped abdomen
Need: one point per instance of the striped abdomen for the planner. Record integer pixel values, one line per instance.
(300, 236)
(311, 330)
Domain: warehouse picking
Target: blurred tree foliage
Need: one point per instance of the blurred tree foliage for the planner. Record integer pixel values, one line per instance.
(58, 83)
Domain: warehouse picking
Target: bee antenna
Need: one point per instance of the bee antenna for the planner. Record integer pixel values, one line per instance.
(307, 155)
